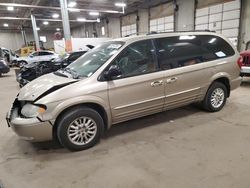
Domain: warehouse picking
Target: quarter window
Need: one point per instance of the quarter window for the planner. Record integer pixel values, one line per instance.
(138, 58)
(180, 51)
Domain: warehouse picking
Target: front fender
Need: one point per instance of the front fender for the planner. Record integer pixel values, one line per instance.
(56, 108)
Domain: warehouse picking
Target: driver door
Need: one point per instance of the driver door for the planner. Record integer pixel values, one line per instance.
(139, 90)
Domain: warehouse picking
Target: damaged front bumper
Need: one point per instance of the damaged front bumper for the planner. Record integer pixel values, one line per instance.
(30, 129)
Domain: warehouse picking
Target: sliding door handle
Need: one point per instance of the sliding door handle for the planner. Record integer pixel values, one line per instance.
(157, 83)
(172, 80)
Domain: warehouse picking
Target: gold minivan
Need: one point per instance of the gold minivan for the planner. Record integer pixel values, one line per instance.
(125, 79)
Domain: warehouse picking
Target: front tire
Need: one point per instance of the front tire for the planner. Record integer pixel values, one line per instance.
(80, 128)
(215, 98)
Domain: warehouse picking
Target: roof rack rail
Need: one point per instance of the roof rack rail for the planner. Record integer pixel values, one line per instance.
(155, 32)
(137, 33)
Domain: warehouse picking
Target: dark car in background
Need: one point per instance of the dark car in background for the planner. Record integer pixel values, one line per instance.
(4, 67)
(34, 70)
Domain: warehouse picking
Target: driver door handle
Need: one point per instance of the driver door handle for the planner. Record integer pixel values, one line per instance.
(157, 83)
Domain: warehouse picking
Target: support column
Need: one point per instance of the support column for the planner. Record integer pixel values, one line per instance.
(24, 36)
(66, 25)
(184, 17)
(143, 23)
(33, 20)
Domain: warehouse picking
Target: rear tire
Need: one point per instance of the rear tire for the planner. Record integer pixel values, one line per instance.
(215, 98)
(80, 128)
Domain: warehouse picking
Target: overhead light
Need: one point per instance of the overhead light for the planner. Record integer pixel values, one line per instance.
(81, 19)
(73, 10)
(98, 20)
(112, 11)
(120, 4)
(10, 8)
(45, 23)
(55, 16)
(6, 25)
(72, 4)
(38, 28)
(58, 29)
(94, 13)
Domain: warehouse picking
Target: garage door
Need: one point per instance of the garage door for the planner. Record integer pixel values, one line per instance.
(162, 24)
(223, 18)
(129, 30)
(162, 18)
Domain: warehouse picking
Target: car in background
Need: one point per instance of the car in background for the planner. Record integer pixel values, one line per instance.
(244, 63)
(13, 61)
(37, 57)
(4, 68)
(31, 71)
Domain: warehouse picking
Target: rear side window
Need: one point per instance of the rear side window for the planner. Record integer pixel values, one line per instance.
(180, 51)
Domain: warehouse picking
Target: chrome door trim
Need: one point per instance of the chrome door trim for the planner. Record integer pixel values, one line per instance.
(138, 103)
(181, 92)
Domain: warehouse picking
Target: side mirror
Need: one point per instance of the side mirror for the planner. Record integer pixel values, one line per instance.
(31, 56)
(113, 71)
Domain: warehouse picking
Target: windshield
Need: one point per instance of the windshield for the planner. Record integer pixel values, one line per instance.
(90, 62)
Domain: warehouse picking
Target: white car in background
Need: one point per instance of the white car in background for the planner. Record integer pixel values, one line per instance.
(36, 57)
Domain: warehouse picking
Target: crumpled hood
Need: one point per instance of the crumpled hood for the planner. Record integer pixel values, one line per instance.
(39, 86)
(31, 65)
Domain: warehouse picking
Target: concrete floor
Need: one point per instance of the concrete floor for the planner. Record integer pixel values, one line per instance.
(180, 148)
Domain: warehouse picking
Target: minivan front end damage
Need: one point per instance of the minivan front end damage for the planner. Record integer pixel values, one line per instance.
(30, 128)
(26, 115)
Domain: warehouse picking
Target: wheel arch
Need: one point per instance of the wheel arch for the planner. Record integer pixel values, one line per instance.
(95, 106)
(223, 78)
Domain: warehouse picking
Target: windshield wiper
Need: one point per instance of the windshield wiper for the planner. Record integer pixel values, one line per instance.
(60, 74)
(72, 72)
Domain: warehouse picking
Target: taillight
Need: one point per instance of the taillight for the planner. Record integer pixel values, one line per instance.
(240, 61)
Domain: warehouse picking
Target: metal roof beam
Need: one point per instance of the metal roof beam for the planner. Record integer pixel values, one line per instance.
(58, 8)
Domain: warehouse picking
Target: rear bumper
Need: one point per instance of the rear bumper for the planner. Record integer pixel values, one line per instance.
(235, 83)
(30, 129)
(245, 71)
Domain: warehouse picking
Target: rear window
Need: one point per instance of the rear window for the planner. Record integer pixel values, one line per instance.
(188, 50)
(45, 53)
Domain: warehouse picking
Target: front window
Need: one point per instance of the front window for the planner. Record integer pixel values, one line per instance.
(90, 62)
(138, 58)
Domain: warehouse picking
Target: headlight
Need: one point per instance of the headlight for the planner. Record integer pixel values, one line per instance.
(31, 110)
